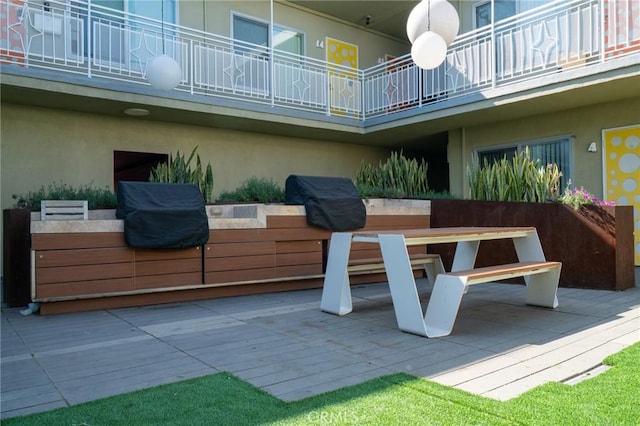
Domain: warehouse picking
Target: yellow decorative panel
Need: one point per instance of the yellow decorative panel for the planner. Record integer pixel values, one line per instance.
(622, 173)
(342, 53)
(344, 85)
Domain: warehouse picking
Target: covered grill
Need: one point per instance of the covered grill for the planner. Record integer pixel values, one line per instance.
(332, 203)
(162, 215)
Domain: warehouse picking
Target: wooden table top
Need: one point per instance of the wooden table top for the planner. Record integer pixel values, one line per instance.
(452, 234)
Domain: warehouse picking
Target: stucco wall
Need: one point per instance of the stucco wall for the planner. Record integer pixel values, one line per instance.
(40, 146)
(215, 17)
(77, 148)
(585, 124)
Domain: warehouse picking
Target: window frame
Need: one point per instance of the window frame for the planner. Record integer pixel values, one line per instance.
(519, 146)
(483, 3)
(270, 34)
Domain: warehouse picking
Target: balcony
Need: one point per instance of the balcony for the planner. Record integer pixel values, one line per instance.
(559, 44)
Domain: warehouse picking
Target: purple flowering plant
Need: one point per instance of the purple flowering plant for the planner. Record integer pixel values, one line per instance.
(577, 197)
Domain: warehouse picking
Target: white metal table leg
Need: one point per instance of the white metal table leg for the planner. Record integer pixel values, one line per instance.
(402, 284)
(542, 288)
(465, 255)
(444, 304)
(336, 292)
(433, 269)
(529, 248)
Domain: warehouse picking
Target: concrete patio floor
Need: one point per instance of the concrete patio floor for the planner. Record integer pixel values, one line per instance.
(284, 344)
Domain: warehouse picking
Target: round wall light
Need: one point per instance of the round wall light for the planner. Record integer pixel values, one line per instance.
(163, 72)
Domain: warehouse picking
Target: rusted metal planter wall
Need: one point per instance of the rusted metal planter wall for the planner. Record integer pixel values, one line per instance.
(594, 244)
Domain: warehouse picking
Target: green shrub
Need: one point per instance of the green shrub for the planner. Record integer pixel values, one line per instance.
(178, 170)
(97, 198)
(398, 177)
(254, 190)
(520, 179)
(369, 191)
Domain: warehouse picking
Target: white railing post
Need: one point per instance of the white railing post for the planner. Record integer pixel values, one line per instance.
(603, 29)
(89, 39)
(421, 76)
(494, 65)
(191, 65)
(328, 91)
(361, 100)
(272, 67)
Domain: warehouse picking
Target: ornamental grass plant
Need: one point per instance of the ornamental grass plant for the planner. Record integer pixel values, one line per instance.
(518, 179)
(179, 170)
(397, 177)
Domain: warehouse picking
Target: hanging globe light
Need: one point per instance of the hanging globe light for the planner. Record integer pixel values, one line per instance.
(163, 72)
(438, 16)
(429, 50)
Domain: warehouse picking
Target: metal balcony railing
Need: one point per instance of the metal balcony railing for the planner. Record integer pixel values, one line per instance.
(78, 37)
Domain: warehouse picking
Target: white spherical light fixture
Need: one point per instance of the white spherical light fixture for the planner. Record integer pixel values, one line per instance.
(438, 16)
(163, 72)
(429, 50)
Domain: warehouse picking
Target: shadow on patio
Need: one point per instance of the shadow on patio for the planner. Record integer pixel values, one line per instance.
(284, 344)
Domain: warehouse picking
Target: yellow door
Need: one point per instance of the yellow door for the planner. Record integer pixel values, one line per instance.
(344, 86)
(622, 173)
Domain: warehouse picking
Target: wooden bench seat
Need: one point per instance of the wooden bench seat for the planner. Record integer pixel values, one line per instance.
(431, 263)
(541, 278)
(377, 264)
(502, 272)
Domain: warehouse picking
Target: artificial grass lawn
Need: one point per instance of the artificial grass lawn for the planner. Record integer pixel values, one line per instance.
(610, 398)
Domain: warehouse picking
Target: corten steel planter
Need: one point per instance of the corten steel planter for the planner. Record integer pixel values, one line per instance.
(594, 244)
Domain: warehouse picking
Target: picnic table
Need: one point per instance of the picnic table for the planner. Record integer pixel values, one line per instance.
(541, 276)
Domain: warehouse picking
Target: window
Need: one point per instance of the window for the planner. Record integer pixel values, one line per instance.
(548, 151)
(257, 32)
(120, 39)
(482, 11)
(245, 29)
(288, 40)
(250, 64)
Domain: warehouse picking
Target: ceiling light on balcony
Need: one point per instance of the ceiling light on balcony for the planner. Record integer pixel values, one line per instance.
(136, 112)
(163, 72)
(431, 27)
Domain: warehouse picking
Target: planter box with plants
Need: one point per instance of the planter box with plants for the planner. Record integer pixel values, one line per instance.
(593, 239)
(259, 245)
(594, 243)
(83, 265)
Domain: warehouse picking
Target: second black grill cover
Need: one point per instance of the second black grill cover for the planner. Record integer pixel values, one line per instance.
(332, 203)
(162, 215)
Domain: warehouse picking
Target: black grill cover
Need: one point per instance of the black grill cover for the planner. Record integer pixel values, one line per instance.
(332, 203)
(162, 215)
